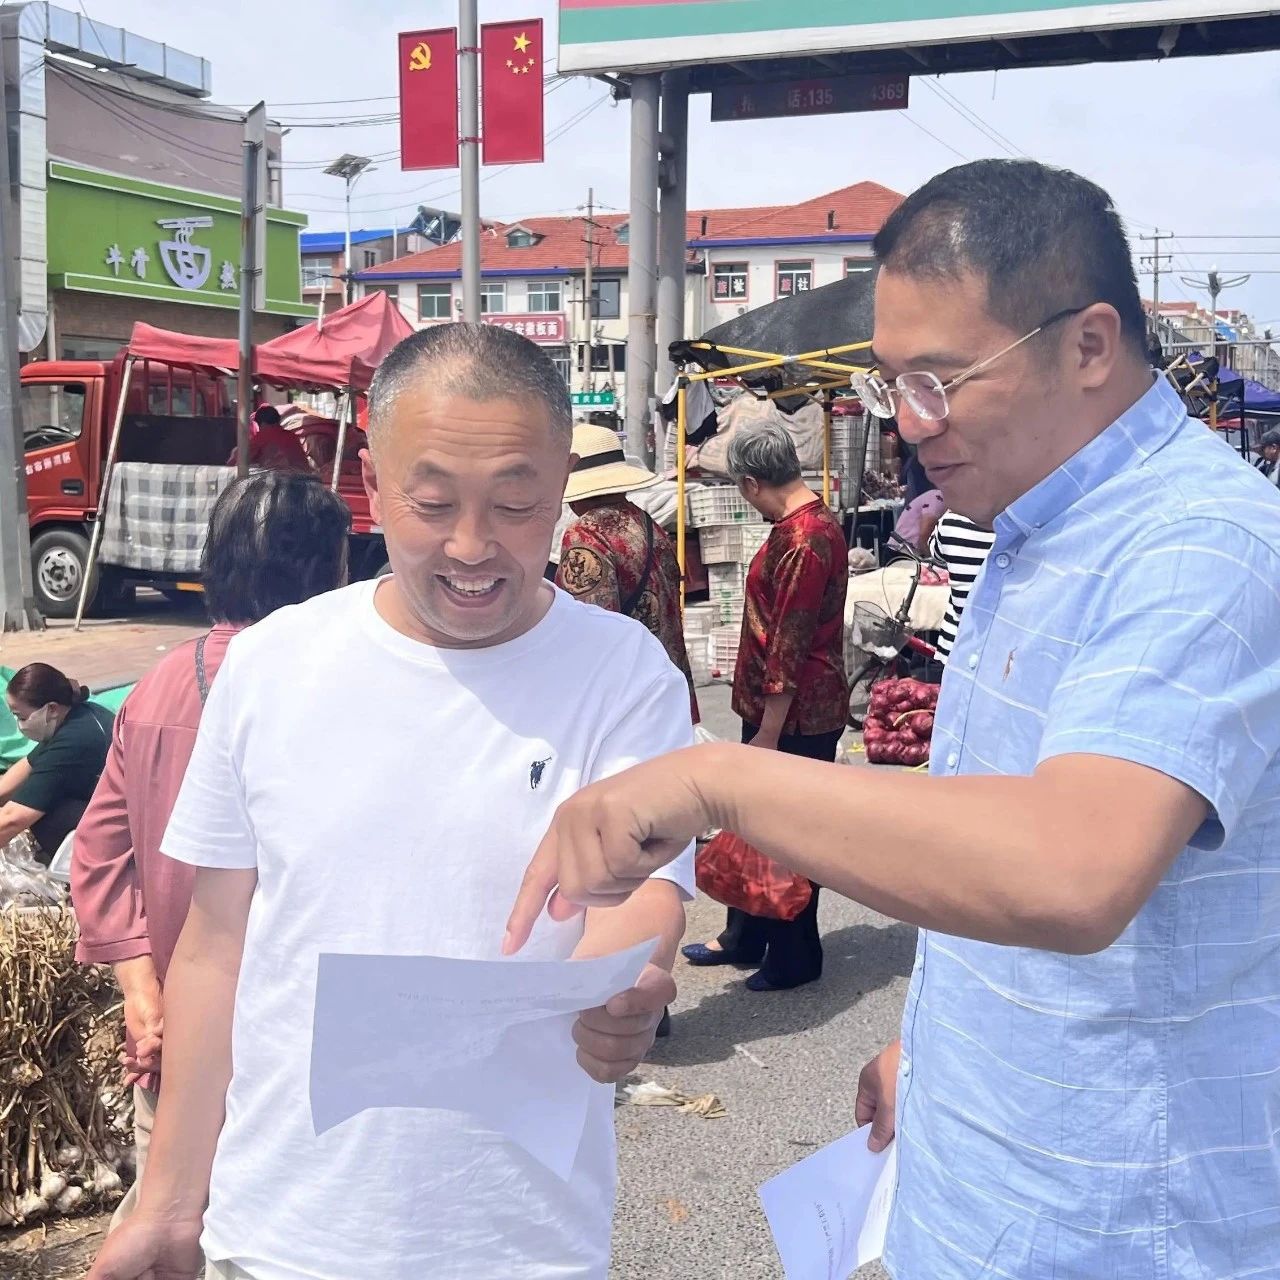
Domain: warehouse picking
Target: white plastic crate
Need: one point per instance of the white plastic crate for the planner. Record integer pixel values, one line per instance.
(720, 504)
(724, 651)
(732, 543)
(699, 619)
(699, 648)
(726, 580)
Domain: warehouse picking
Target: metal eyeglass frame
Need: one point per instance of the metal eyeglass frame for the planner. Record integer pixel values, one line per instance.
(877, 396)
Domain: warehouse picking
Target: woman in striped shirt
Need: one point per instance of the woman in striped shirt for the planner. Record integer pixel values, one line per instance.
(963, 548)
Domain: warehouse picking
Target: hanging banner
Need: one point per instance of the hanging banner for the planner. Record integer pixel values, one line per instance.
(429, 99)
(511, 69)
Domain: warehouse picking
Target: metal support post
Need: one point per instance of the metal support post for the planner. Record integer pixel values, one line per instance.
(642, 264)
(469, 137)
(672, 217)
(682, 427)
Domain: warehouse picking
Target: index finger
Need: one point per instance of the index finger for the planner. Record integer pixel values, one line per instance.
(540, 878)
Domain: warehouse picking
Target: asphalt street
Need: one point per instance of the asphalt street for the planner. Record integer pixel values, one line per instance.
(784, 1064)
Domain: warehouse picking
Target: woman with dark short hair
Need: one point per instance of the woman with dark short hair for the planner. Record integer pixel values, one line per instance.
(276, 538)
(45, 794)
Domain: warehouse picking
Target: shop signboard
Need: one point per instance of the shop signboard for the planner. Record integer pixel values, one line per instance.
(133, 238)
(825, 96)
(545, 327)
(639, 35)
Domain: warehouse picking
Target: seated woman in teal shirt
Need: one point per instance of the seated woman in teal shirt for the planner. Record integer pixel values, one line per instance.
(47, 792)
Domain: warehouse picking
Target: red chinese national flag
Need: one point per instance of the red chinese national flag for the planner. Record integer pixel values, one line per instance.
(511, 69)
(429, 99)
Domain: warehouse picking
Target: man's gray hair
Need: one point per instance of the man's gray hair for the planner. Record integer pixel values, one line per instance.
(764, 452)
(480, 362)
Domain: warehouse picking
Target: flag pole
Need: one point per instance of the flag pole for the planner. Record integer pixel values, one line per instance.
(469, 84)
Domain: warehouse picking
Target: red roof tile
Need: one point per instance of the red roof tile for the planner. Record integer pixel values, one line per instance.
(858, 210)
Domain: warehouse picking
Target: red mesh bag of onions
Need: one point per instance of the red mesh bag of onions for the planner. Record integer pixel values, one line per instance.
(733, 872)
(899, 722)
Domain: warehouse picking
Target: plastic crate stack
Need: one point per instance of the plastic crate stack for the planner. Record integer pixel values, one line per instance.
(730, 532)
(699, 621)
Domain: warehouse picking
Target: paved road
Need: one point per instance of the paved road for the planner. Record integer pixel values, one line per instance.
(687, 1208)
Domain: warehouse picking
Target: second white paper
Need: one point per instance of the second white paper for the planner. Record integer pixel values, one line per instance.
(488, 1038)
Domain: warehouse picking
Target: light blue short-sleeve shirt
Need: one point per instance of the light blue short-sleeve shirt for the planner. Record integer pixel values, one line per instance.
(1114, 1116)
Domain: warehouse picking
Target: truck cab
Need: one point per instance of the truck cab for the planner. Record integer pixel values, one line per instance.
(68, 410)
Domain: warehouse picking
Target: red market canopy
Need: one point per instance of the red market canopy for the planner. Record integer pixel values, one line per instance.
(183, 350)
(343, 351)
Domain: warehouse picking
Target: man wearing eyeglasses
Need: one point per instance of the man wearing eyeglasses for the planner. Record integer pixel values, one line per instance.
(1088, 1083)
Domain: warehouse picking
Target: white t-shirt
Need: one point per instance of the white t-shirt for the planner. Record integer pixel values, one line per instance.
(390, 796)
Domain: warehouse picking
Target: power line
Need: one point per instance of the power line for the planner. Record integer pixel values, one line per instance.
(972, 117)
(910, 119)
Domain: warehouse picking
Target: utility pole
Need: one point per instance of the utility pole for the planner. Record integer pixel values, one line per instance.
(642, 264)
(251, 198)
(588, 286)
(1155, 258)
(16, 599)
(469, 141)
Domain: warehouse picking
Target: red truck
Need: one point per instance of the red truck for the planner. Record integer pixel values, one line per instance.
(172, 416)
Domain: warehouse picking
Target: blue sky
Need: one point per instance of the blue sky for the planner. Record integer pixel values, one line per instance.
(1184, 144)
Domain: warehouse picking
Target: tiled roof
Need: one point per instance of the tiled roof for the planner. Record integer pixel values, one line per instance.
(858, 211)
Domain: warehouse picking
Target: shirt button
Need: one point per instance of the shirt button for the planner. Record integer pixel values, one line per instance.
(952, 760)
(1003, 561)
(906, 1070)
(973, 661)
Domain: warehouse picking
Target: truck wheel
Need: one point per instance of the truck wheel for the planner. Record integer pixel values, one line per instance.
(59, 561)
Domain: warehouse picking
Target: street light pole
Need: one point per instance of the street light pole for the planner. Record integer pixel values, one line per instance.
(348, 168)
(469, 145)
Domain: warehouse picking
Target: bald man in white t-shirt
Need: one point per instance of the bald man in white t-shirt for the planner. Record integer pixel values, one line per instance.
(483, 698)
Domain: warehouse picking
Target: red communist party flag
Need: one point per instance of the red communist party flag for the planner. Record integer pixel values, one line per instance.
(429, 99)
(511, 67)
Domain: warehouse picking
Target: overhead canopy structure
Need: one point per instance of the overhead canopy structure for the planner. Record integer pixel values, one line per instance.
(739, 44)
(341, 353)
(839, 315)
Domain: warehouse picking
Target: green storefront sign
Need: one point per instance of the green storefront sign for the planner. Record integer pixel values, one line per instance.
(593, 399)
(140, 239)
(613, 35)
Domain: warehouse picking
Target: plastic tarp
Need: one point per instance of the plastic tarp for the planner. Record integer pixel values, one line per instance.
(342, 352)
(836, 315)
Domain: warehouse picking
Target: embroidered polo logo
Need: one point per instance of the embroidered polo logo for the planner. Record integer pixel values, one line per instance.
(536, 770)
(1008, 664)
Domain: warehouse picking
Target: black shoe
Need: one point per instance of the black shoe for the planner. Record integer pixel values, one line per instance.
(698, 953)
(664, 1026)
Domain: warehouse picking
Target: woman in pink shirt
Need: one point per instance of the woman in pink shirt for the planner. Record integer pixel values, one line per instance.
(275, 538)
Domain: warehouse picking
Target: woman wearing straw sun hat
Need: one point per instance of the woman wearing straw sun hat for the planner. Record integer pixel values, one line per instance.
(615, 555)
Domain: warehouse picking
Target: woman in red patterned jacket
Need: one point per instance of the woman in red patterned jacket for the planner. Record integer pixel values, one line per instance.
(615, 555)
(789, 686)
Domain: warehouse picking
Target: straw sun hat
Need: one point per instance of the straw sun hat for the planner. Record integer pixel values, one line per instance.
(602, 468)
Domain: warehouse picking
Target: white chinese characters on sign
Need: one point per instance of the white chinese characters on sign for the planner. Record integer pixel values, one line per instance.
(227, 276)
(186, 264)
(114, 259)
(139, 262)
(47, 464)
(543, 327)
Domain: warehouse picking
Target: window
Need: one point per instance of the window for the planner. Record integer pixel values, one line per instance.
(560, 358)
(793, 278)
(857, 266)
(434, 301)
(600, 353)
(624, 233)
(729, 282)
(544, 295)
(371, 257)
(315, 273)
(521, 239)
(52, 414)
(391, 290)
(75, 348)
(606, 299)
(493, 298)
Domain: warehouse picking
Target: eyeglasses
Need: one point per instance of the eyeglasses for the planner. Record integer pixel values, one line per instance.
(926, 393)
